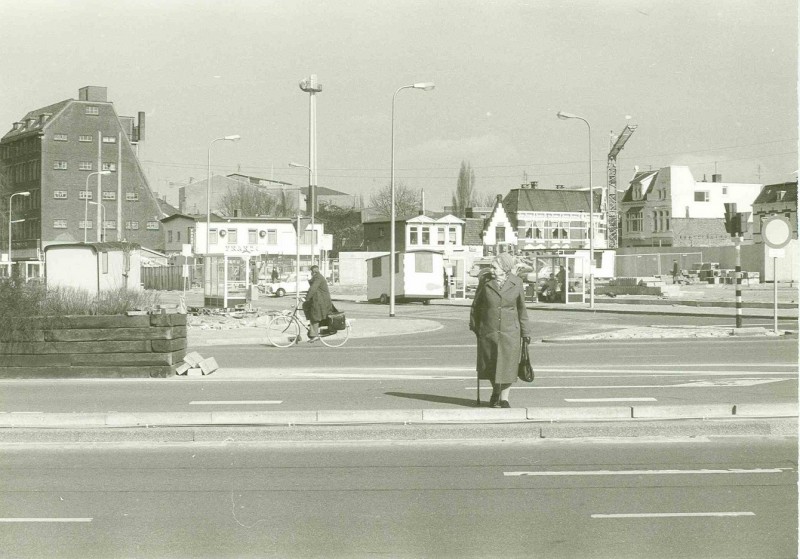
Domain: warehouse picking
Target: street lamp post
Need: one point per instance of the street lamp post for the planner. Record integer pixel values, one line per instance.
(232, 138)
(425, 86)
(313, 202)
(311, 86)
(26, 193)
(564, 116)
(102, 220)
(86, 201)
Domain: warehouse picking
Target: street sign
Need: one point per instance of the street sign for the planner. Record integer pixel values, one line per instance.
(776, 231)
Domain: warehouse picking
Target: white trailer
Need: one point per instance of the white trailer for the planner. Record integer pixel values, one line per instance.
(419, 277)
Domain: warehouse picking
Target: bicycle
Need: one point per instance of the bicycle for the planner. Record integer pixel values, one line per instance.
(283, 330)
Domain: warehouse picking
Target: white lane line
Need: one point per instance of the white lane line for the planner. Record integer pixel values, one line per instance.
(45, 519)
(671, 514)
(645, 472)
(234, 402)
(587, 400)
(691, 384)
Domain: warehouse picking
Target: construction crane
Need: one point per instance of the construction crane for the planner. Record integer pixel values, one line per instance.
(612, 214)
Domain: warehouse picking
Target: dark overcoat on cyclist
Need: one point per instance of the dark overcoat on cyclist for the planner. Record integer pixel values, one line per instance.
(317, 306)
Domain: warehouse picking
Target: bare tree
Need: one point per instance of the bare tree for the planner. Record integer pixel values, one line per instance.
(464, 197)
(406, 200)
(485, 199)
(251, 201)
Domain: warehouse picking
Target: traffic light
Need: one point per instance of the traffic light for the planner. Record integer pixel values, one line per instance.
(730, 215)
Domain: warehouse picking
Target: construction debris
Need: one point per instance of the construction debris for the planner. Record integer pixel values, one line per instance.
(194, 365)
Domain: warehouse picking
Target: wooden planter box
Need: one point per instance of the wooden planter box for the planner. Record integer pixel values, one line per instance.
(95, 347)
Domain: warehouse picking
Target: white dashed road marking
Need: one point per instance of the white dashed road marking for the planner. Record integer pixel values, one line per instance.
(671, 514)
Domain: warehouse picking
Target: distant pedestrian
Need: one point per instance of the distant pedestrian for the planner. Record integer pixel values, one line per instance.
(676, 271)
(499, 319)
(317, 305)
(275, 276)
(561, 278)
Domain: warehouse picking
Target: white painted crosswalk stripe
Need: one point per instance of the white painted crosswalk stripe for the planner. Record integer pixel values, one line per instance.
(598, 400)
(738, 471)
(671, 514)
(234, 402)
(18, 520)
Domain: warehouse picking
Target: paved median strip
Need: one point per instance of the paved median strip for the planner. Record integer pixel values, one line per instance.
(551, 415)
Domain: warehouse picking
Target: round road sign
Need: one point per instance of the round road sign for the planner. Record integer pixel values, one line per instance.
(776, 232)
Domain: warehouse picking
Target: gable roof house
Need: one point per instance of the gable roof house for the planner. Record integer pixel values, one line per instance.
(554, 219)
(668, 207)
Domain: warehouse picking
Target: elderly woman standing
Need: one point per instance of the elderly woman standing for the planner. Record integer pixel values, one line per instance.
(499, 319)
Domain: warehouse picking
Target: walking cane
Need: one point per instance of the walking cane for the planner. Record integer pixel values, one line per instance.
(478, 389)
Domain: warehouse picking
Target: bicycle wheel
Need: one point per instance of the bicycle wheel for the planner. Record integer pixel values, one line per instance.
(335, 339)
(283, 331)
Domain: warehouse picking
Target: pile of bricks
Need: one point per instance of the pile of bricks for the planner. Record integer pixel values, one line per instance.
(195, 366)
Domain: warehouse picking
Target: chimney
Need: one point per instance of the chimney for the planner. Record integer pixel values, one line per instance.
(43, 118)
(534, 184)
(140, 128)
(16, 126)
(93, 93)
(29, 122)
(716, 177)
(499, 197)
(236, 213)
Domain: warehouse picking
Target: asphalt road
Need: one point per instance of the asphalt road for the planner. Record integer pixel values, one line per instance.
(701, 498)
(436, 369)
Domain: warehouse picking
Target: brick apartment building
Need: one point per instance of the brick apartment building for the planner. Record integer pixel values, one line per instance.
(54, 153)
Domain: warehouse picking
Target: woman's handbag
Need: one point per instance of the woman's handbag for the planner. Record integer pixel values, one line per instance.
(525, 371)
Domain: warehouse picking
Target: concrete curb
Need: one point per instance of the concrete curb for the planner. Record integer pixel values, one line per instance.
(16, 420)
(415, 432)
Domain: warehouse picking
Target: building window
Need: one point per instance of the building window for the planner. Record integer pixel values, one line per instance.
(85, 224)
(59, 224)
(453, 235)
(91, 110)
(413, 236)
(272, 236)
(85, 166)
(381, 232)
(376, 268)
(60, 194)
(232, 236)
(426, 235)
(252, 237)
(110, 167)
(152, 225)
(109, 195)
(500, 234)
(440, 235)
(85, 138)
(724, 189)
(132, 196)
(60, 137)
(177, 236)
(110, 224)
(169, 236)
(635, 221)
(60, 165)
(132, 225)
(84, 195)
(701, 196)
(109, 139)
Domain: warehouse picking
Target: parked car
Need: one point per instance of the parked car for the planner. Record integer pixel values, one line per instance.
(287, 283)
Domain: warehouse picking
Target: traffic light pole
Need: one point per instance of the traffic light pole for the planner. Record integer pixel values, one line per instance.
(737, 245)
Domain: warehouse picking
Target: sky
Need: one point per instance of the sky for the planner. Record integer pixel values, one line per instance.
(711, 84)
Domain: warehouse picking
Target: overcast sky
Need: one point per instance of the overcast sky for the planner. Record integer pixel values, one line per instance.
(711, 84)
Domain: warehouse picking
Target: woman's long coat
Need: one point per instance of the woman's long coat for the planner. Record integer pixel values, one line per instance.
(500, 320)
(317, 306)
